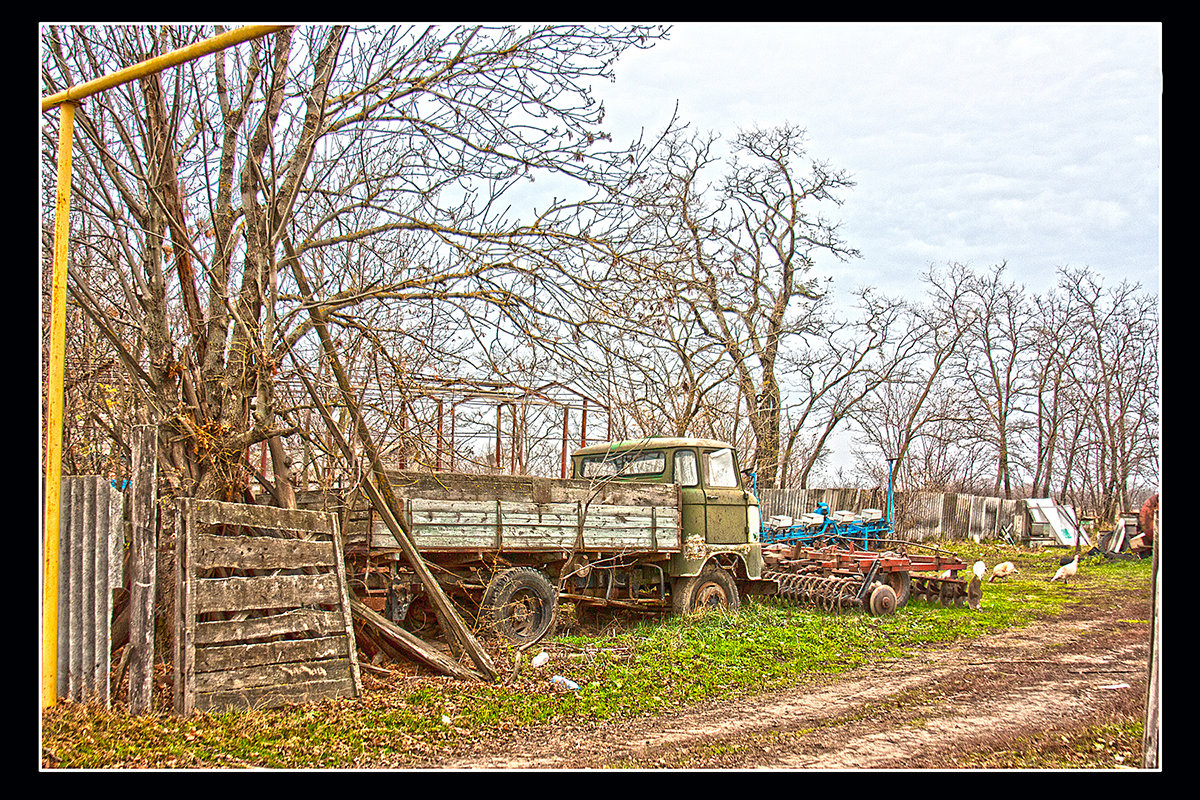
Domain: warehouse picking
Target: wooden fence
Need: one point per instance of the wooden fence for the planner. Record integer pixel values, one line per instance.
(920, 516)
(264, 614)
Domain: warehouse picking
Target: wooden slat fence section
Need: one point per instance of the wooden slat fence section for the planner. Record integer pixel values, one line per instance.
(920, 516)
(264, 609)
(91, 549)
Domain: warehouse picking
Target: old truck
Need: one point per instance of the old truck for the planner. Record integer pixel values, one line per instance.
(656, 524)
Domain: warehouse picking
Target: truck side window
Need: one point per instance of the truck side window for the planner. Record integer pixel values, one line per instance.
(650, 462)
(720, 471)
(686, 473)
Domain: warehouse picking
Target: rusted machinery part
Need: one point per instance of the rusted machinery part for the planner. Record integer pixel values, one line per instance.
(826, 593)
(901, 584)
(833, 592)
(946, 591)
(882, 600)
(817, 590)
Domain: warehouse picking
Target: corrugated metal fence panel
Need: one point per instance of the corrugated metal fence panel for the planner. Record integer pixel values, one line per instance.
(91, 547)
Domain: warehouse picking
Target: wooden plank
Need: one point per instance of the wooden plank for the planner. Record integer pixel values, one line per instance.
(510, 525)
(237, 656)
(261, 552)
(273, 675)
(143, 567)
(347, 619)
(185, 611)
(410, 644)
(298, 621)
(265, 591)
(272, 696)
(211, 512)
(518, 488)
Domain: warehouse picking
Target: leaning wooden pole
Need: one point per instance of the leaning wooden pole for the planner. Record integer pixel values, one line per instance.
(379, 489)
(446, 613)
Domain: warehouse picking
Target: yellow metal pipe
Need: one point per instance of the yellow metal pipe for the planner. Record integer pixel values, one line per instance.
(66, 101)
(171, 59)
(54, 414)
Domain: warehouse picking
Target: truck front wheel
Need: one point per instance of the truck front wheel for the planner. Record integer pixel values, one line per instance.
(520, 604)
(712, 588)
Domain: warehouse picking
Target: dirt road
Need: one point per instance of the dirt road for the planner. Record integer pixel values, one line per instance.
(943, 709)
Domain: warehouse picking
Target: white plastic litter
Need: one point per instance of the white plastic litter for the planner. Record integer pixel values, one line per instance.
(564, 684)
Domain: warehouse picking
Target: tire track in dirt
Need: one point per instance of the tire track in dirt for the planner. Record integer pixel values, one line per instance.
(925, 711)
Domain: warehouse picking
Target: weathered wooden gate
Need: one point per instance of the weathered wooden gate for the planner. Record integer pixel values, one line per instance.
(263, 609)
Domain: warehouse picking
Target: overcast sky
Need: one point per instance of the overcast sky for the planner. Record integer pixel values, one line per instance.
(1034, 144)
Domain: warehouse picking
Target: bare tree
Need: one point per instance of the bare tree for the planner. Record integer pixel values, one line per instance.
(214, 188)
(1056, 342)
(917, 401)
(993, 362)
(833, 373)
(1118, 371)
(739, 252)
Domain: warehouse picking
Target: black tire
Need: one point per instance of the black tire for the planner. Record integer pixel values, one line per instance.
(901, 583)
(520, 604)
(712, 588)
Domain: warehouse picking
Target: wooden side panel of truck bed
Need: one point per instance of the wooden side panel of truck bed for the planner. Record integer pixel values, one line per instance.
(509, 525)
(448, 512)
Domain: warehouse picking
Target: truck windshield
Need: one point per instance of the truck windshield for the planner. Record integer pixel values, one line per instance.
(646, 462)
(720, 471)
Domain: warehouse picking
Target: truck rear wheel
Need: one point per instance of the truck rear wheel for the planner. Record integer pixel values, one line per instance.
(520, 604)
(712, 588)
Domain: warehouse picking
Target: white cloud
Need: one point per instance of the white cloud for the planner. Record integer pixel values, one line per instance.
(1038, 144)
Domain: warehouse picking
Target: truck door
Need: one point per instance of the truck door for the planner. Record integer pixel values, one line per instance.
(724, 498)
(691, 493)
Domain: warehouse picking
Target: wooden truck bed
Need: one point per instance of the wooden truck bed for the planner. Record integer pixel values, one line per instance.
(449, 512)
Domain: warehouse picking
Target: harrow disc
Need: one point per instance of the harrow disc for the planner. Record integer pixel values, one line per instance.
(945, 591)
(817, 590)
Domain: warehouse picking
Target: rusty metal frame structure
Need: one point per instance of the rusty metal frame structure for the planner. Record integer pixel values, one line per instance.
(448, 394)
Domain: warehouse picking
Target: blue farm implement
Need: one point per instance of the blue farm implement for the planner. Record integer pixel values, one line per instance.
(855, 560)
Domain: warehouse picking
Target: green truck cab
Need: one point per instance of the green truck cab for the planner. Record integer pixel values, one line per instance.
(720, 557)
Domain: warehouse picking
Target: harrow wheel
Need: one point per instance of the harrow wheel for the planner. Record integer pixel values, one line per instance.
(882, 601)
(902, 585)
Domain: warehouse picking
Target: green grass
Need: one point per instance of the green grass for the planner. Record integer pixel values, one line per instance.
(1111, 745)
(646, 668)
